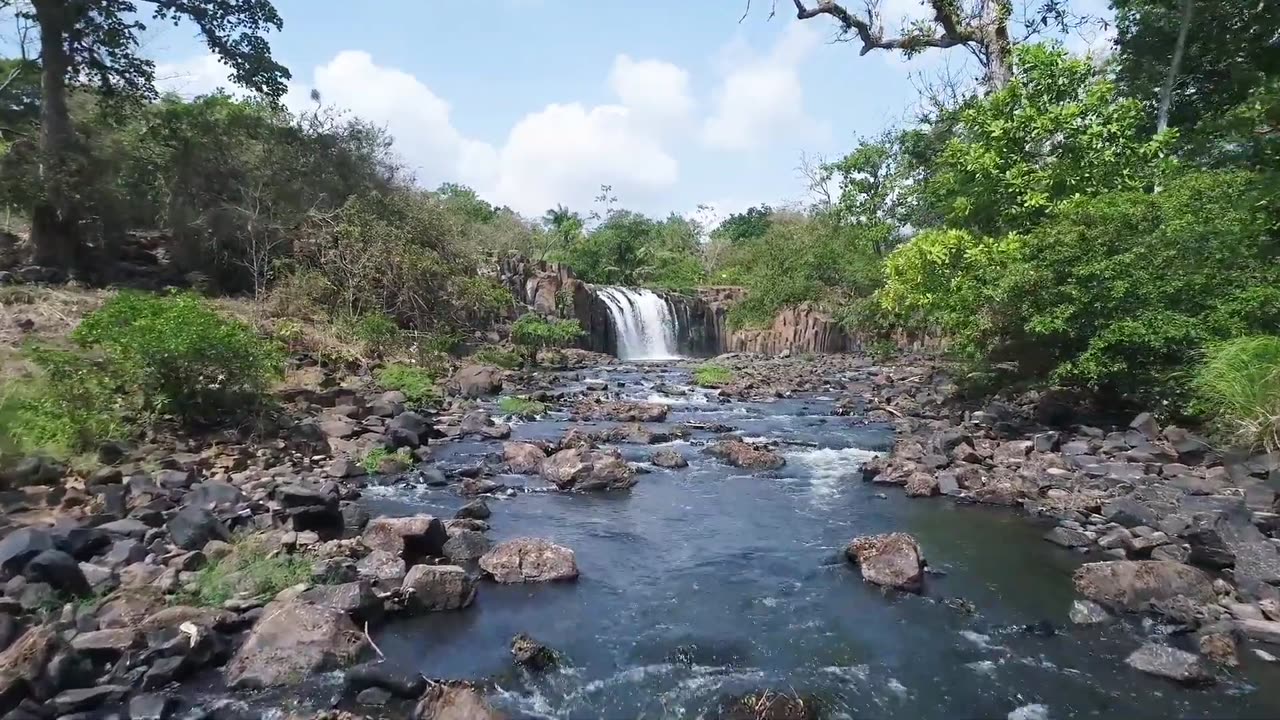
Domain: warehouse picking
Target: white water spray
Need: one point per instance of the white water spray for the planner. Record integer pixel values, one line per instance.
(642, 321)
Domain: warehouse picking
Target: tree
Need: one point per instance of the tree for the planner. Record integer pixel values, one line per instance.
(982, 27)
(95, 43)
(1166, 93)
(871, 181)
(751, 223)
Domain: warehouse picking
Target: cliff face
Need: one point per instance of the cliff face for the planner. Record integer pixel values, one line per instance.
(702, 328)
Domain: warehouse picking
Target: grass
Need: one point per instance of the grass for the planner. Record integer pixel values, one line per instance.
(710, 375)
(521, 406)
(498, 357)
(1238, 386)
(372, 461)
(417, 384)
(253, 569)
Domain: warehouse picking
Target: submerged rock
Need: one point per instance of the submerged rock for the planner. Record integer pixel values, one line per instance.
(768, 705)
(740, 454)
(891, 560)
(1130, 585)
(1087, 612)
(529, 560)
(1164, 661)
(454, 702)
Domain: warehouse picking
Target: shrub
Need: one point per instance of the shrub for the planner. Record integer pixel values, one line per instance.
(532, 332)
(76, 403)
(522, 407)
(376, 332)
(1238, 385)
(417, 384)
(372, 461)
(496, 356)
(253, 569)
(712, 376)
(183, 358)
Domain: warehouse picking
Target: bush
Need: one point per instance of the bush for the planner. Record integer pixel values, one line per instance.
(1238, 385)
(533, 332)
(183, 357)
(75, 404)
(521, 407)
(372, 461)
(376, 332)
(496, 356)
(712, 376)
(253, 569)
(417, 384)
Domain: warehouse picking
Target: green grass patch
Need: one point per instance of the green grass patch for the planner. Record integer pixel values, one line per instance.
(711, 375)
(373, 459)
(523, 407)
(1238, 386)
(253, 569)
(417, 384)
(498, 357)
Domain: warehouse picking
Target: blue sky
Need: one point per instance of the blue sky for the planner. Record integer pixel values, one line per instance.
(538, 102)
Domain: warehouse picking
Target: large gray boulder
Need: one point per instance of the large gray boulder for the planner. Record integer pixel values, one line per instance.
(581, 468)
(1164, 661)
(292, 640)
(477, 381)
(411, 538)
(529, 560)
(438, 587)
(891, 560)
(1130, 585)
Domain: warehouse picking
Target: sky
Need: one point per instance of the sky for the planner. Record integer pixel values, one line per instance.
(534, 103)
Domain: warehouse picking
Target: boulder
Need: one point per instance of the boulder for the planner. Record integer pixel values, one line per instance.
(1087, 612)
(891, 560)
(668, 458)
(466, 546)
(381, 566)
(531, 654)
(477, 381)
(60, 571)
(1129, 585)
(922, 485)
(1164, 661)
(411, 538)
(20, 546)
(454, 702)
(356, 599)
(522, 458)
(107, 644)
(23, 663)
(81, 700)
(292, 640)
(438, 587)
(1267, 631)
(580, 468)
(529, 560)
(1067, 537)
(627, 411)
(740, 454)
(35, 470)
(385, 676)
(475, 510)
(191, 527)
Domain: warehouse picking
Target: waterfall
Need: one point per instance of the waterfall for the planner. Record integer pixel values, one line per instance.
(644, 325)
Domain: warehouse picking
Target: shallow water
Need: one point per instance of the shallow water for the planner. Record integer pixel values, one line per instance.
(710, 580)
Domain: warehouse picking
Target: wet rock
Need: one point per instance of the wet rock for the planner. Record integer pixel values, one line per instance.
(150, 706)
(381, 567)
(398, 682)
(668, 458)
(192, 527)
(744, 455)
(891, 560)
(411, 538)
(477, 381)
(522, 458)
(356, 599)
(375, 697)
(580, 468)
(1129, 585)
(531, 654)
(1034, 711)
(1267, 631)
(1164, 661)
(292, 640)
(473, 486)
(922, 485)
(478, 422)
(1218, 644)
(475, 510)
(1087, 612)
(466, 546)
(438, 587)
(625, 411)
(529, 560)
(454, 702)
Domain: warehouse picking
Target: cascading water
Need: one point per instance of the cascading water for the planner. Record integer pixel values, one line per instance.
(644, 325)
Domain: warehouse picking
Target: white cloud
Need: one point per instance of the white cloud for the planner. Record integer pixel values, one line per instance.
(761, 96)
(199, 75)
(654, 90)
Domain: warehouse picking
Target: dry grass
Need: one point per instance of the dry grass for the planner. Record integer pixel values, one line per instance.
(41, 314)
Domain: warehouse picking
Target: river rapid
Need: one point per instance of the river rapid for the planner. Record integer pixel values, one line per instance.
(710, 581)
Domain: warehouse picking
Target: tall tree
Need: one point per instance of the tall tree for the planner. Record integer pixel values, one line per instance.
(94, 43)
(985, 28)
(1166, 93)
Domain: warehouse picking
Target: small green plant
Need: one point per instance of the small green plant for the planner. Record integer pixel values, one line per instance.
(377, 332)
(496, 356)
(882, 350)
(75, 403)
(373, 459)
(252, 569)
(1238, 385)
(522, 406)
(533, 332)
(417, 384)
(710, 375)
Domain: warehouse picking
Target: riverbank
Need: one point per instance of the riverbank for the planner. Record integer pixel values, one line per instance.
(694, 585)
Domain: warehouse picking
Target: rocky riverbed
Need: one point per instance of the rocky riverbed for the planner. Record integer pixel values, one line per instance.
(823, 537)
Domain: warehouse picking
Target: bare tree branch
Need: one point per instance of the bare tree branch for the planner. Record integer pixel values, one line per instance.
(13, 74)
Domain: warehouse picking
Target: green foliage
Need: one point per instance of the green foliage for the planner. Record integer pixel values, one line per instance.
(746, 225)
(631, 249)
(498, 357)
(378, 333)
(534, 331)
(180, 355)
(521, 407)
(417, 384)
(75, 403)
(253, 569)
(872, 182)
(374, 459)
(1237, 383)
(1059, 130)
(710, 375)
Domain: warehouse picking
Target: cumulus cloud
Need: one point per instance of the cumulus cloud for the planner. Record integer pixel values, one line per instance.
(761, 96)
(654, 90)
(199, 75)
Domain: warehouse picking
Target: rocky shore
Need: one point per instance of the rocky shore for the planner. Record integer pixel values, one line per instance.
(107, 607)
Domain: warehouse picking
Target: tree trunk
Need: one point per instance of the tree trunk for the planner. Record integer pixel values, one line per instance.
(53, 227)
(996, 44)
(1179, 47)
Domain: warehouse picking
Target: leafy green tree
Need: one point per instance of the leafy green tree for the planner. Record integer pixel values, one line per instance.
(747, 225)
(94, 43)
(1058, 130)
(872, 181)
